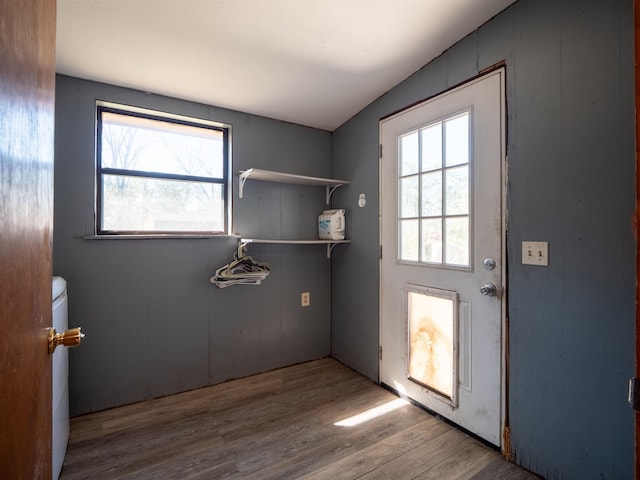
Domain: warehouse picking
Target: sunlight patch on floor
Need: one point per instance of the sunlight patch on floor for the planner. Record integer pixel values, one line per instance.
(372, 413)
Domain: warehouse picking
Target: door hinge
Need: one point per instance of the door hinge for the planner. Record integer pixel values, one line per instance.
(380, 352)
(634, 394)
(380, 251)
(380, 152)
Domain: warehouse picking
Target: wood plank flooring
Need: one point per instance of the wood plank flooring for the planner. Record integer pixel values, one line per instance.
(278, 425)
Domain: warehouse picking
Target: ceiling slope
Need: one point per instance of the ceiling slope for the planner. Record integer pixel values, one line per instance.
(311, 62)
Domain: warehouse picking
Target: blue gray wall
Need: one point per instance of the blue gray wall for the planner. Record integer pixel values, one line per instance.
(154, 323)
(156, 326)
(571, 182)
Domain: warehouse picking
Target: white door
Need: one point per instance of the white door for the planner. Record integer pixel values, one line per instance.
(442, 231)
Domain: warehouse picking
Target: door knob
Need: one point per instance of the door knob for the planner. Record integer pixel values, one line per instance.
(488, 289)
(69, 338)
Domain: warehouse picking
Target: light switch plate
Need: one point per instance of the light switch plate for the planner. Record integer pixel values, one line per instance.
(535, 253)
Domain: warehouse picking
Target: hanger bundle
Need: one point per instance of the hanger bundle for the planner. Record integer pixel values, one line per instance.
(244, 270)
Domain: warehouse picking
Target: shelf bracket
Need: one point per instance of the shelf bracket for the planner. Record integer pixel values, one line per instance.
(243, 179)
(330, 249)
(330, 190)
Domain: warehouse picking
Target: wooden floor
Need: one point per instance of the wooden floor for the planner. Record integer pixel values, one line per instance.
(277, 425)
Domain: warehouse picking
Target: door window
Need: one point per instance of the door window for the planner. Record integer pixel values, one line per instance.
(434, 193)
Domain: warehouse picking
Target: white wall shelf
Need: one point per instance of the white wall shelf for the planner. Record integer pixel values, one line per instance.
(329, 243)
(330, 184)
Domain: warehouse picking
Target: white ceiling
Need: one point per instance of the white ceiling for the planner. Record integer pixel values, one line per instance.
(311, 62)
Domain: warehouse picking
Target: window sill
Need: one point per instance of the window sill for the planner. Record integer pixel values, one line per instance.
(157, 236)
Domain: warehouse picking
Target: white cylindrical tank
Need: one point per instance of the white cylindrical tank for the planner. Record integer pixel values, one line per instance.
(60, 377)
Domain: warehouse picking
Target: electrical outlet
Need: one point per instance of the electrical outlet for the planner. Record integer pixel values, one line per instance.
(305, 299)
(535, 253)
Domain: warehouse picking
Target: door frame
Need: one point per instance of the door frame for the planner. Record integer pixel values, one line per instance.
(636, 230)
(505, 444)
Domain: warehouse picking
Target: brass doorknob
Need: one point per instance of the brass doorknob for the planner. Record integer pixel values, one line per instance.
(70, 338)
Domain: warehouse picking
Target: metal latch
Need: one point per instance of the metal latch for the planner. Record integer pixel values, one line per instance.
(634, 394)
(69, 338)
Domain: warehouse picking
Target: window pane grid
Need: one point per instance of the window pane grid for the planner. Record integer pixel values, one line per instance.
(434, 160)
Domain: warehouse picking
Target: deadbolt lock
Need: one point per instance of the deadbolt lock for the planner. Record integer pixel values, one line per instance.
(489, 263)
